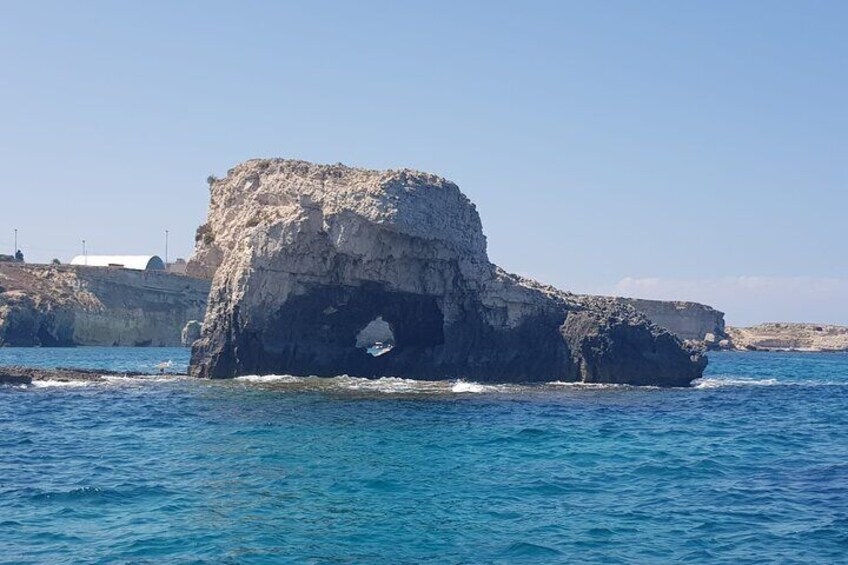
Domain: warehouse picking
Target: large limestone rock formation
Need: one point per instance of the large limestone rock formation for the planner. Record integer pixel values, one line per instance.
(66, 305)
(306, 256)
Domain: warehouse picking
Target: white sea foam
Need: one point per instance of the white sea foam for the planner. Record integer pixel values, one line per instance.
(390, 385)
(719, 383)
(462, 387)
(707, 383)
(108, 380)
(396, 385)
(119, 379)
(269, 378)
(346, 382)
(472, 387)
(68, 384)
(601, 386)
(386, 385)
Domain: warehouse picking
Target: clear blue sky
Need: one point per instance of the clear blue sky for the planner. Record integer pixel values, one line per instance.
(642, 147)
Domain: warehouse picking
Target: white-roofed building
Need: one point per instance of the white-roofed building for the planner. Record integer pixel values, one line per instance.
(135, 262)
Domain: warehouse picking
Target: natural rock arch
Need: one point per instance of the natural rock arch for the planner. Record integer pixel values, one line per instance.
(376, 338)
(305, 256)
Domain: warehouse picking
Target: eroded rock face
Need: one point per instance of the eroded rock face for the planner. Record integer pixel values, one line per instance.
(67, 305)
(305, 256)
(191, 333)
(27, 320)
(686, 320)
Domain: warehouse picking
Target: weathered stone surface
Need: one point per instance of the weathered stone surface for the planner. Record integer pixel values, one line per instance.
(686, 320)
(191, 332)
(65, 305)
(305, 256)
(16, 375)
(13, 379)
(30, 319)
(788, 337)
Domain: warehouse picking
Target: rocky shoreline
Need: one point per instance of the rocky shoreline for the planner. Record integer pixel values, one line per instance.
(18, 375)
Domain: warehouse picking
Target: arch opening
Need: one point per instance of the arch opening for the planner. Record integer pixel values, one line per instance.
(376, 338)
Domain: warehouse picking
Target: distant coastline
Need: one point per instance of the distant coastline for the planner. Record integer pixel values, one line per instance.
(797, 337)
(70, 305)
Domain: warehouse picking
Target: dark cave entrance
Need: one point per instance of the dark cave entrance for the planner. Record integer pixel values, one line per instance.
(361, 330)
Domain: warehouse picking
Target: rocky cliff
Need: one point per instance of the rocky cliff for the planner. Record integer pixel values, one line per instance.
(64, 305)
(686, 320)
(789, 337)
(305, 257)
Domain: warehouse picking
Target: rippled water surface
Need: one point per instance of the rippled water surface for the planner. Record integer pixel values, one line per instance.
(749, 466)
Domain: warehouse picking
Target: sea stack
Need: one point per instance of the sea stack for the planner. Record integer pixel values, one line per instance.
(328, 270)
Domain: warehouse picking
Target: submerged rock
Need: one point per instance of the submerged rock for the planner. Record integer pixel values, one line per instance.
(305, 257)
(15, 375)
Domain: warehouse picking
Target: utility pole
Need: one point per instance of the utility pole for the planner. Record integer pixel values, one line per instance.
(15, 250)
(84, 254)
(166, 249)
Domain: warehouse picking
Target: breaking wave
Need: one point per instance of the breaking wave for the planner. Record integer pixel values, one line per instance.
(386, 385)
(596, 386)
(142, 378)
(720, 383)
(712, 382)
(463, 386)
(269, 378)
(105, 380)
(60, 384)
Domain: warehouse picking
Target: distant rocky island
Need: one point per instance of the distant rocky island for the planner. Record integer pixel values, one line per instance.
(789, 337)
(309, 258)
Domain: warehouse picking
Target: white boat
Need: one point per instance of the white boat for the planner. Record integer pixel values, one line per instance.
(380, 348)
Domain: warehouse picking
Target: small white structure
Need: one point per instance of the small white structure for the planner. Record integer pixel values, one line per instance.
(135, 262)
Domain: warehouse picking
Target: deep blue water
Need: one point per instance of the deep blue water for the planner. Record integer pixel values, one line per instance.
(751, 466)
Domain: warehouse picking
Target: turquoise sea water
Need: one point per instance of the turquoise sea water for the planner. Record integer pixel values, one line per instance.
(750, 466)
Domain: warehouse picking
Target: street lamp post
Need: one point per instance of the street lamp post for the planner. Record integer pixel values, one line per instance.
(166, 249)
(84, 254)
(15, 250)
